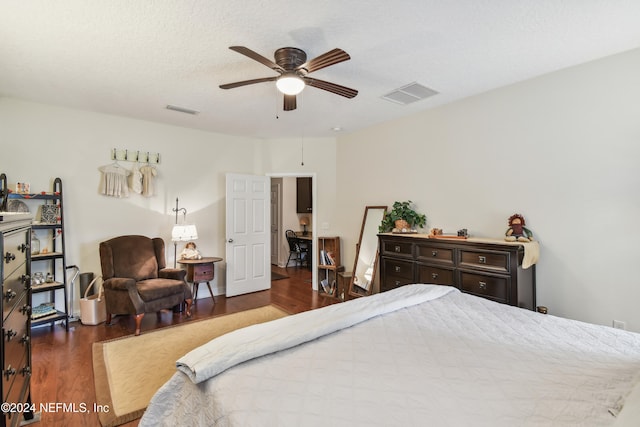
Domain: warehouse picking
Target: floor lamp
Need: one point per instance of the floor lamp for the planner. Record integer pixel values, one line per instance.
(181, 233)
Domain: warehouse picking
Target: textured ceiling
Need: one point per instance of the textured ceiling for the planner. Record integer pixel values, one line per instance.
(132, 58)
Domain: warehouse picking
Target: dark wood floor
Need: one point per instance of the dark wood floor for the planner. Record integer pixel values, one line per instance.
(62, 361)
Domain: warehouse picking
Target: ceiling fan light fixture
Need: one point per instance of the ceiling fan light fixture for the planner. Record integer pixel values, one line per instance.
(290, 84)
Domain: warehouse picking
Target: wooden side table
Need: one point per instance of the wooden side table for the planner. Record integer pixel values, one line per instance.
(198, 271)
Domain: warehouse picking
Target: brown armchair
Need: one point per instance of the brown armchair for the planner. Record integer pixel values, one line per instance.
(136, 280)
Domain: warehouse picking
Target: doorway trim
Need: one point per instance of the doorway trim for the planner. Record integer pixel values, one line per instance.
(314, 213)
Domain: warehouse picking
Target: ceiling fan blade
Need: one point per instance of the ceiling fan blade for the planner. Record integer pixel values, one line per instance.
(257, 57)
(326, 59)
(289, 102)
(331, 87)
(248, 82)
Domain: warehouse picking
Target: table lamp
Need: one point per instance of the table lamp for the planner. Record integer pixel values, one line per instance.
(304, 221)
(181, 232)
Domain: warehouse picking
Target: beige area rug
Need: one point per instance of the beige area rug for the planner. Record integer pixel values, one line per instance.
(128, 371)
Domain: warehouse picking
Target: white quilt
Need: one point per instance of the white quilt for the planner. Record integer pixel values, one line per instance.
(456, 360)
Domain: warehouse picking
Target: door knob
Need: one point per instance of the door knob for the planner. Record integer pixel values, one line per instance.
(230, 240)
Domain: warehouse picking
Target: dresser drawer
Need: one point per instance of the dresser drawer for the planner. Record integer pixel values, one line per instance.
(439, 254)
(491, 287)
(398, 268)
(18, 393)
(202, 273)
(396, 248)
(16, 387)
(15, 342)
(391, 282)
(12, 289)
(15, 251)
(435, 275)
(485, 260)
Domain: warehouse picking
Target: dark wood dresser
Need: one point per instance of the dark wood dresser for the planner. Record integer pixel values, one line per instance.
(15, 350)
(482, 267)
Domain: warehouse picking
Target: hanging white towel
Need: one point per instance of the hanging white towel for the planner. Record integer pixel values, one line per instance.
(114, 181)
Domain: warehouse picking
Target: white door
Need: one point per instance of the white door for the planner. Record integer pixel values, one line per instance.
(248, 234)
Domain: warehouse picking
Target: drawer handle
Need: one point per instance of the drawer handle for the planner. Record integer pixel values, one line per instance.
(397, 283)
(482, 259)
(10, 334)
(397, 268)
(483, 285)
(434, 253)
(9, 257)
(9, 295)
(434, 275)
(25, 310)
(397, 249)
(9, 371)
(23, 247)
(25, 371)
(25, 340)
(26, 280)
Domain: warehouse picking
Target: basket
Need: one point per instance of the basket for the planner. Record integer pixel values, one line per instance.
(401, 224)
(93, 309)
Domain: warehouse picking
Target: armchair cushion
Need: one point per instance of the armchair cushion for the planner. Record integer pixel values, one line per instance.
(154, 289)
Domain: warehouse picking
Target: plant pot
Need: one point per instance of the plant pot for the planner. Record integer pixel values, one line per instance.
(401, 224)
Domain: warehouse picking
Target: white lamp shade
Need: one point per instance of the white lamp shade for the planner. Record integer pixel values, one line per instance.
(290, 84)
(184, 233)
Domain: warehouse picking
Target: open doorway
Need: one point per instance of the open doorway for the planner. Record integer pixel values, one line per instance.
(285, 215)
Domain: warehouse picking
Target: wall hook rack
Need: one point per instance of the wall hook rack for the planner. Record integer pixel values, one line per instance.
(134, 156)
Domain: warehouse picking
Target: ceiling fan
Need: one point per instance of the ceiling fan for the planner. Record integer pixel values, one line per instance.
(292, 65)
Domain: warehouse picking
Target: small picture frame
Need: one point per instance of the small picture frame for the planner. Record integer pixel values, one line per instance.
(49, 214)
(23, 187)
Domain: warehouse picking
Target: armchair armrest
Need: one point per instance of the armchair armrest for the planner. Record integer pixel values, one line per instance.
(119, 284)
(172, 273)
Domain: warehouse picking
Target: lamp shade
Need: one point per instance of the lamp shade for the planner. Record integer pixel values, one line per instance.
(184, 233)
(290, 84)
(304, 220)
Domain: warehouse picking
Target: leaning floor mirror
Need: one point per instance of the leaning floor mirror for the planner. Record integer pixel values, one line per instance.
(364, 267)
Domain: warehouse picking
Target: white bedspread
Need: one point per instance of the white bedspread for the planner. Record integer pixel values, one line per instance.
(457, 360)
(248, 343)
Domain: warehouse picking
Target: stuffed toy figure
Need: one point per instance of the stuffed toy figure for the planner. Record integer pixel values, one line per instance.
(517, 231)
(190, 252)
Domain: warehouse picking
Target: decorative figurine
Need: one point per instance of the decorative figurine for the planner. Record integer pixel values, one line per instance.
(190, 252)
(517, 231)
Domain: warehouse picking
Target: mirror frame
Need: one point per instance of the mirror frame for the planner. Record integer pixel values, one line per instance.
(358, 291)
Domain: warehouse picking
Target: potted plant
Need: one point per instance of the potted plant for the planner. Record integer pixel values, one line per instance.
(402, 218)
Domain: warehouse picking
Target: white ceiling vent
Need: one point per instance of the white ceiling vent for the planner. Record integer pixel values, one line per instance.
(182, 109)
(410, 93)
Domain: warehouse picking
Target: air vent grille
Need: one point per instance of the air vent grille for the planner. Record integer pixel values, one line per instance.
(410, 93)
(182, 109)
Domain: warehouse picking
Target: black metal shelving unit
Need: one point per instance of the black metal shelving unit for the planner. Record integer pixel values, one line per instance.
(54, 261)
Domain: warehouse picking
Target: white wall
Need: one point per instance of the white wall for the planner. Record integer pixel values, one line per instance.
(286, 157)
(41, 142)
(561, 149)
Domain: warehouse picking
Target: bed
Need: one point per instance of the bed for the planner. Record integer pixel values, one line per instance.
(414, 356)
